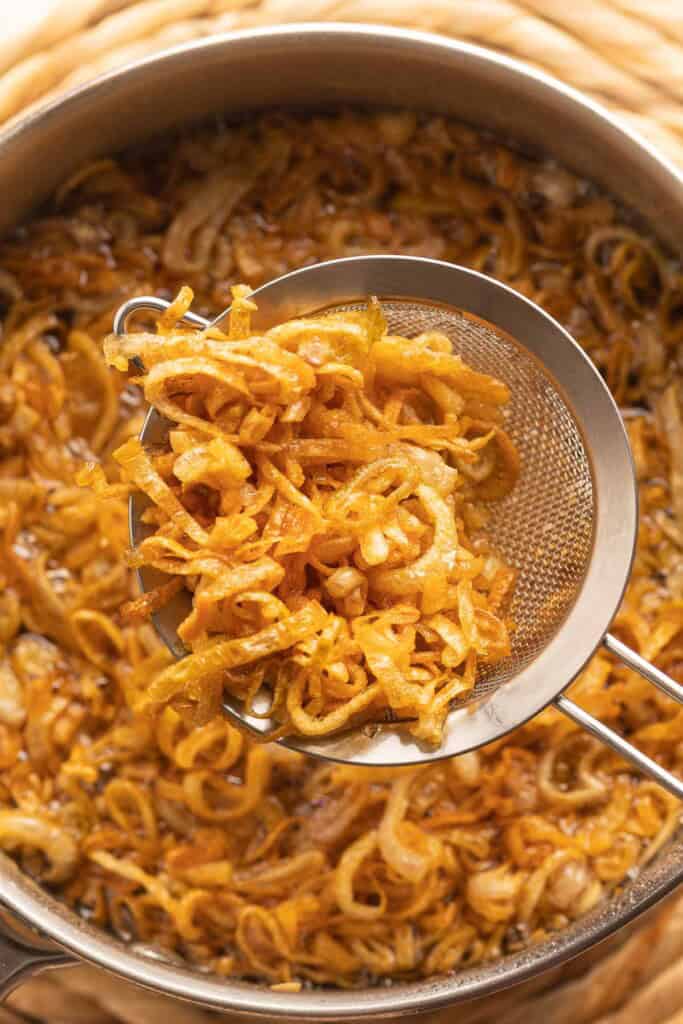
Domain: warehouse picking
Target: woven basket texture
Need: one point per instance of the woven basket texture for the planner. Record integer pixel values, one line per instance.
(626, 53)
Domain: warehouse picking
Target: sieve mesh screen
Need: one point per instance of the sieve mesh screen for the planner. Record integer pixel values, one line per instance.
(544, 527)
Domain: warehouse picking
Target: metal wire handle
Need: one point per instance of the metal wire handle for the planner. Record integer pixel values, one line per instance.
(152, 304)
(627, 656)
(611, 738)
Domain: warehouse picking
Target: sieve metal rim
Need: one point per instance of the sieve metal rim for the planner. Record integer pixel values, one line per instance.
(530, 371)
(425, 280)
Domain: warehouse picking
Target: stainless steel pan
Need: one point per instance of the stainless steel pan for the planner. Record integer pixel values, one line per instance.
(321, 66)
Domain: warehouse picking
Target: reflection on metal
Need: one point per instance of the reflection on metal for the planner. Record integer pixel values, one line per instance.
(326, 65)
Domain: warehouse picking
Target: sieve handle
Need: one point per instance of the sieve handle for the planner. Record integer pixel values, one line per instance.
(608, 736)
(644, 668)
(152, 304)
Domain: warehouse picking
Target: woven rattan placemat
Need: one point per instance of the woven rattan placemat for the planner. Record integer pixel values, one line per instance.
(628, 54)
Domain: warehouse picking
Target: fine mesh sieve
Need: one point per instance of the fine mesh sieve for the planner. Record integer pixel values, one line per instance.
(568, 526)
(544, 527)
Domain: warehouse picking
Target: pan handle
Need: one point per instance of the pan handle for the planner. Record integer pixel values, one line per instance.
(25, 952)
(603, 732)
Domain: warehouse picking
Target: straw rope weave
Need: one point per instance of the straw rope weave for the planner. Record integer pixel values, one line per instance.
(626, 53)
